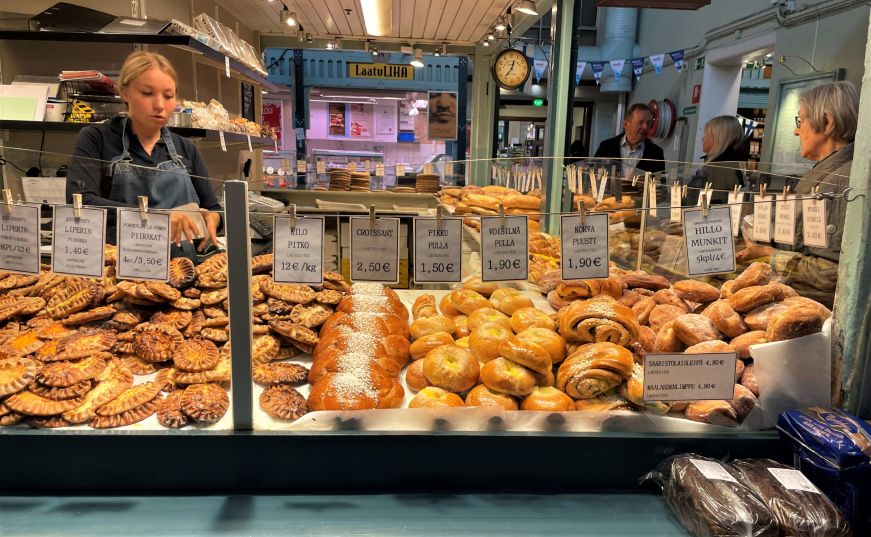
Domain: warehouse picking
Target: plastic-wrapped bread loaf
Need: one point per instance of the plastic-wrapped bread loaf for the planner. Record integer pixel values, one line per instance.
(708, 499)
(799, 507)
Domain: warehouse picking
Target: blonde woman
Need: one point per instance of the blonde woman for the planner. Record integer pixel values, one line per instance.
(826, 127)
(135, 155)
(721, 142)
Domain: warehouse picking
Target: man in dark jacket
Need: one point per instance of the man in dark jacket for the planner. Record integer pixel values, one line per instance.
(635, 152)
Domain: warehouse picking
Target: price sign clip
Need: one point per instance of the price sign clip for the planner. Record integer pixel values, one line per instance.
(786, 189)
(634, 180)
(372, 214)
(582, 212)
(763, 189)
(293, 215)
(684, 191)
(7, 201)
(77, 206)
(501, 215)
(143, 208)
(439, 216)
(735, 190)
(706, 205)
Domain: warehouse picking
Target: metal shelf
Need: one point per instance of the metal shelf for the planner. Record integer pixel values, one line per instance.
(206, 135)
(183, 41)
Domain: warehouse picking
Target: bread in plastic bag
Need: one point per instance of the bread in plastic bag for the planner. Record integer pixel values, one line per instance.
(707, 498)
(799, 507)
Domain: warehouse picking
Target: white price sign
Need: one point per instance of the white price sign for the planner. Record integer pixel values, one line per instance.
(321, 166)
(379, 170)
(300, 166)
(248, 137)
(689, 377)
(400, 170)
(584, 246)
(375, 250)
(19, 239)
(449, 167)
(504, 248)
(438, 250)
(77, 248)
(813, 217)
(784, 220)
(710, 247)
(793, 480)
(222, 140)
(762, 218)
(712, 470)
(676, 211)
(298, 249)
(143, 245)
(735, 199)
(427, 168)
(227, 66)
(352, 166)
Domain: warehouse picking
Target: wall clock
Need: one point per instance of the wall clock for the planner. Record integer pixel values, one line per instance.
(511, 69)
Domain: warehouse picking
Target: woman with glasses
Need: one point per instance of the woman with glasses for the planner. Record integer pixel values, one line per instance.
(826, 128)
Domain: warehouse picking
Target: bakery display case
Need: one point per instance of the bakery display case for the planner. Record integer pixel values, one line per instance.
(548, 364)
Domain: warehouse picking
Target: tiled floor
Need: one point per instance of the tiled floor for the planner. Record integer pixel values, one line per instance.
(613, 515)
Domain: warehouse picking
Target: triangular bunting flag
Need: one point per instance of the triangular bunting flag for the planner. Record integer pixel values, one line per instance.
(597, 68)
(540, 66)
(656, 60)
(579, 72)
(617, 68)
(677, 58)
(637, 66)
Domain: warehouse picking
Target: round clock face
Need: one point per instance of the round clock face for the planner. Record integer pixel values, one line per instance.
(511, 69)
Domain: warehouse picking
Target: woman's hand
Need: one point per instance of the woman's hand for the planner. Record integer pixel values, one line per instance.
(213, 220)
(182, 227)
(753, 251)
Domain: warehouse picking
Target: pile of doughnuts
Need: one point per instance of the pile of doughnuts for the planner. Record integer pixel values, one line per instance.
(484, 201)
(484, 346)
(362, 348)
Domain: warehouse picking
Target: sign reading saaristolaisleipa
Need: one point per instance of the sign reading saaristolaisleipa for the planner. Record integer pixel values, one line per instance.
(387, 71)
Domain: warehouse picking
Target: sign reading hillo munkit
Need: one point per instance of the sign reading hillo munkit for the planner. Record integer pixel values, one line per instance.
(388, 71)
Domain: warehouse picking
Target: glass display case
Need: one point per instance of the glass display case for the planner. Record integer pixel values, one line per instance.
(543, 364)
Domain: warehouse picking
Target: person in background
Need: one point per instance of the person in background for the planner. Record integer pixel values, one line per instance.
(721, 142)
(636, 153)
(826, 127)
(144, 158)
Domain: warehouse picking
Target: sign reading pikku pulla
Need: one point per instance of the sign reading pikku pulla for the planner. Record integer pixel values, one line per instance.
(387, 71)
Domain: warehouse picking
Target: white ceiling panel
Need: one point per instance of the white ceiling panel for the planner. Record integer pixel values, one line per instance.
(453, 21)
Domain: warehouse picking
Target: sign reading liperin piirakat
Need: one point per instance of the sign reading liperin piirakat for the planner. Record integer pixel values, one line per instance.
(298, 248)
(19, 239)
(388, 71)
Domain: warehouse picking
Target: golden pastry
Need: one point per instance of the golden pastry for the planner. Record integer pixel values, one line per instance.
(434, 397)
(425, 326)
(505, 376)
(451, 368)
(509, 300)
(548, 399)
(421, 346)
(205, 403)
(550, 341)
(481, 395)
(484, 342)
(593, 369)
(466, 301)
(489, 316)
(531, 317)
(600, 319)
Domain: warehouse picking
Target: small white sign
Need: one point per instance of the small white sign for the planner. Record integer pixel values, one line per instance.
(379, 169)
(793, 480)
(400, 170)
(735, 201)
(227, 66)
(676, 211)
(352, 166)
(222, 140)
(250, 148)
(143, 245)
(77, 248)
(301, 167)
(19, 239)
(710, 194)
(600, 193)
(365, 166)
(762, 218)
(427, 168)
(584, 247)
(298, 249)
(504, 248)
(784, 220)
(321, 166)
(713, 470)
(375, 250)
(652, 201)
(813, 216)
(449, 167)
(709, 243)
(438, 250)
(689, 377)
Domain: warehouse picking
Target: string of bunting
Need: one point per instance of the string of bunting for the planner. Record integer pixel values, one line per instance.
(637, 64)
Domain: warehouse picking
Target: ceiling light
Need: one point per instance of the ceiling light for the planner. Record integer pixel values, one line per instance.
(413, 112)
(485, 43)
(501, 24)
(308, 37)
(300, 35)
(332, 44)
(377, 16)
(444, 50)
(291, 19)
(527, 6)
(417, 61)
(490, 36)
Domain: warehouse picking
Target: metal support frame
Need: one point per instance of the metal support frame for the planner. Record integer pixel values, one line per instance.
(851, 351)
(300, 109)
(484, 96)
(459, 149)
(560, 92)
(239, 287)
